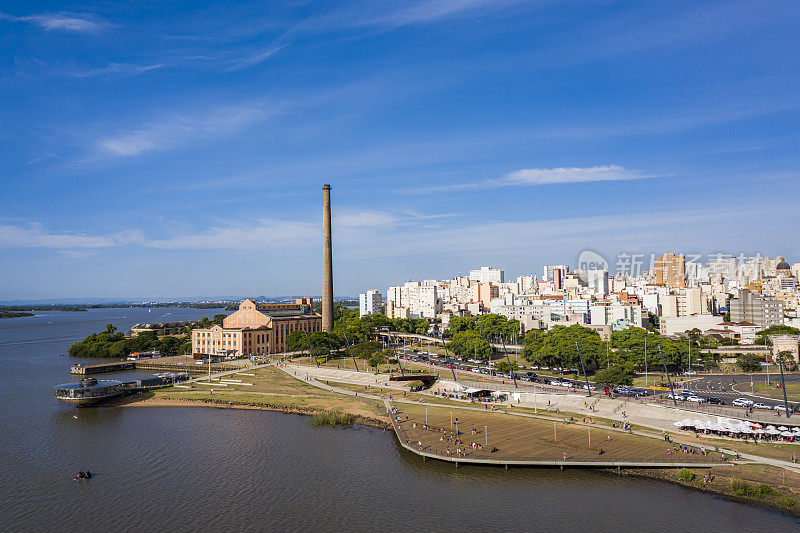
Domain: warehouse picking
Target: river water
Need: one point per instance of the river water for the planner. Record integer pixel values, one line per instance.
(190, 469)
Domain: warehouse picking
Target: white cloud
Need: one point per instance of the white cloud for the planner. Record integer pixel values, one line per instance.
(179, 129)
(256, 57)
(61, 21)
(263, 235)
(543, 176)
(113, 68)
(363, 219)
(34, 235)
(431, 10)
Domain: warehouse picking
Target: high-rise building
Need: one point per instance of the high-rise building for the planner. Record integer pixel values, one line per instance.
(370, 303)
(487, 275)
(555, 274)
(756, 308)
(671, 271)
(692, 302)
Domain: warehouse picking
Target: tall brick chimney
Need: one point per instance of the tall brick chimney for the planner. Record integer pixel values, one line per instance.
(327, 262)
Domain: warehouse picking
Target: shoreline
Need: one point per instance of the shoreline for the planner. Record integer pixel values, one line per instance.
(719, 487)
(217, 404)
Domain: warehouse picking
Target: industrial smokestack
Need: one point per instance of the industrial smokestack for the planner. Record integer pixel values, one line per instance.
(327, 262)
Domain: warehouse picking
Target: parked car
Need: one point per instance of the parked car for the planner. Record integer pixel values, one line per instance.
(690, 373)
(742, 402)
(695, 399)
(761, 405)
(715, 401)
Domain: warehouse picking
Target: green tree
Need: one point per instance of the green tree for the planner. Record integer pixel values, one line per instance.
(379, 358)
(556, 348)
(762, 337)
(748, 362)
(618, 374)
(110, 329)
(470, 344)
(502, 366)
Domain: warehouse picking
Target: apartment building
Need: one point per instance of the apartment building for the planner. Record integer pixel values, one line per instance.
(370, 303)
(671, 271)
(756, 308)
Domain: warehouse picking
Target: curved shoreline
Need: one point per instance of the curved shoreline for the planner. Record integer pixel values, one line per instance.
(663, 475)
(217, 404)
(655, 474)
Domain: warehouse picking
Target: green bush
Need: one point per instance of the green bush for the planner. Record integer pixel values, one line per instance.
(684, 474)
(742, 488)
(416, 385)
(788, 502)
(331, 418)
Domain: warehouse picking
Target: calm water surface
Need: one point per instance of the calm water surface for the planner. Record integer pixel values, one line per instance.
(190, 469)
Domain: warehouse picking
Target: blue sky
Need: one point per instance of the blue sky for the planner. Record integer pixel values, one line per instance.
(174, 149)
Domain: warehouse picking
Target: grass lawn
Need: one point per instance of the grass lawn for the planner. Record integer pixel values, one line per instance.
(792, 390)
(273, 387)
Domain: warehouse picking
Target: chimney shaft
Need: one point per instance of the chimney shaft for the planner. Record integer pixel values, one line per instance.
(327, 262)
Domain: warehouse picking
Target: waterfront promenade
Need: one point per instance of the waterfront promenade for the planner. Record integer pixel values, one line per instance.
(483, 437)
(652, 420)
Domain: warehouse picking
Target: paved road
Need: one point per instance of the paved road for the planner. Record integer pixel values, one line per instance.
(738, 386)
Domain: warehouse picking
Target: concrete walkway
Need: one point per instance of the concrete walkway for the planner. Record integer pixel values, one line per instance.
(651, 416)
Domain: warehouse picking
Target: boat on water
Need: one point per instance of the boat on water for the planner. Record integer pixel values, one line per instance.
(135, 356)
(89, 391)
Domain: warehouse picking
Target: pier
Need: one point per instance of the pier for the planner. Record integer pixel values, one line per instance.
(117, 366)
(178, 363)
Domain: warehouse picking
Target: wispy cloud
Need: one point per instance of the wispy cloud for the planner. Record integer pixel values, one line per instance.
(124, 69)
(35, 235)
(261, 234)
(178, 129)
(259, 56)
(71, 22)
(370, 15)
(430, 11)
(542, 176)
(364, 218)
(375, 234)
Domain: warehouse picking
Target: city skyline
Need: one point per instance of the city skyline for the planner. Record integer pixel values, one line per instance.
(160, 153)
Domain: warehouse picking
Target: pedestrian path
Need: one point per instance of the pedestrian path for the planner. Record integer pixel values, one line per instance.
(652, 417)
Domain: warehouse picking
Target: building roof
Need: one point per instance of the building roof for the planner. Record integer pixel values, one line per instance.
(783, 265)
